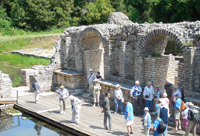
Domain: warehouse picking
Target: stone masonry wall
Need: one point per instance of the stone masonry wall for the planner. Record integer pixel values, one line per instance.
(158, 69)
(5, 86)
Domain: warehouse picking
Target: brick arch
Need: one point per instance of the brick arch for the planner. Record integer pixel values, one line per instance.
(86, 33)
(165, 32)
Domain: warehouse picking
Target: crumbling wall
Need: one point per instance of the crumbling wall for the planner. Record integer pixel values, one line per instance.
(5, 86)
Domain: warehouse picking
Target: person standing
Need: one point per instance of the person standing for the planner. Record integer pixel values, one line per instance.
(62, 98)
(177, 114)
(146, 121)
(118, 98)
(106, 111)
(148, 95)
(185, 116)
(193, 117)
(90, 79)
(98, 76)
(128, 115)
(76, 107)
(136, 97)
(156, 124)
(38, 128)
(36, 88)
(158, 92)
(96, 91)
(168, 89)
(164, 116)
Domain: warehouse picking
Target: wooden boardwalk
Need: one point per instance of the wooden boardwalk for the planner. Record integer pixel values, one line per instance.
(91, 119)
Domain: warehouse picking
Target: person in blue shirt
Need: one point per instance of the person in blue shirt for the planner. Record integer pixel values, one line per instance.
(164, 116)
(128, 115)
(156, 125)
(146, 121)
(136, 97)
(177, 114)
(158, 92)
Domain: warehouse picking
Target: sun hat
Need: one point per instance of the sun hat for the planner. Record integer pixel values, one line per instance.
(146, 109)
(90, 69)
(137, 82)
(164, 94)
(95, 80)
(190, 104)
(157, 113)
(62, 86)
(118, 85)
(166, 81)
(71, 97)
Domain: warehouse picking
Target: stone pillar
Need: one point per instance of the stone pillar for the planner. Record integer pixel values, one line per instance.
(121, 61)
(107, 53)
(139, 70)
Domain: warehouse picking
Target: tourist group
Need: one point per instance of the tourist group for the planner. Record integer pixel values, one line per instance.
(167, 103)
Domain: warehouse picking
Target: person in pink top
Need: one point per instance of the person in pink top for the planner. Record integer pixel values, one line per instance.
(165, 100)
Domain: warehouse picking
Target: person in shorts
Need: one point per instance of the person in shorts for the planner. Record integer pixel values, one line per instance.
(128, 115)
(177, 113)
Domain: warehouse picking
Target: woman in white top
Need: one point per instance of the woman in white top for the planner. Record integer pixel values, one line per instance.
(148, 95)
(185, 116)
(96, 91)
(146, 121)
(62, 98)
(118, 98)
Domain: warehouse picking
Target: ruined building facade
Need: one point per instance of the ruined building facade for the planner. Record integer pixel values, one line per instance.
(123, 52)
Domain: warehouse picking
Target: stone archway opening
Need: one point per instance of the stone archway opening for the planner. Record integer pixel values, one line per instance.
(162, 62)
(93, 53)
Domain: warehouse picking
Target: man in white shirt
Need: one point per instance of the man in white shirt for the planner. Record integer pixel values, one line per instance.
(148, 95)
(62, 98)
(90, 79)
(76, 107)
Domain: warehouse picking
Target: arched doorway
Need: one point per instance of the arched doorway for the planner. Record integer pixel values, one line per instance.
(90, 52)
(159, 66)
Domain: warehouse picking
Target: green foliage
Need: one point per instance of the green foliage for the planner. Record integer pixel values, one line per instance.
(156, 54)
(23, 61)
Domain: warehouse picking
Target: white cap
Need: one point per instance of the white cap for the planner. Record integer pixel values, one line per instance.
(71, 97)
(166, 81)
(137, 82)
(146, 109)
(164, 94)
(118, 85)
(90, 69)
(190, 104)
(95, 80)
(157, 86)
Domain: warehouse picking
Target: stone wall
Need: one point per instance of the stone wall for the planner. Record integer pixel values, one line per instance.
(5, 86)
(158, 69)
(25, 73)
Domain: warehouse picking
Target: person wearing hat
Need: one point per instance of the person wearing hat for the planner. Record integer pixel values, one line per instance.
(191, 123)
(156, 124)
(185, 115)
(62, 98)
(96, 91)
(177, 114)
(76, 107)
(118, 98)
(164, 115)
(158, 92)
(98, 76)
(36, 88)
(136, 97)
(146, 121)
(90, 79)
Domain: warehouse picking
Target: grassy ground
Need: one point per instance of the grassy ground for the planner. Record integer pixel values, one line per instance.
(13, 63)
(11, 43)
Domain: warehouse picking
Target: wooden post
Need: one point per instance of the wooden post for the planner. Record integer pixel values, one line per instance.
(17, 96)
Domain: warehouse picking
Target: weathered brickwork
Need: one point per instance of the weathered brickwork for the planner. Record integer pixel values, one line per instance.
(124, 52)
(5, 86)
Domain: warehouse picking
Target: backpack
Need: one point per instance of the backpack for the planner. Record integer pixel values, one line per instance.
(183, 106)
(195, 114)
(161, 128)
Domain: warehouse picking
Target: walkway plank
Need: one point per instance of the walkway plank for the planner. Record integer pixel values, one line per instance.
(91, 119)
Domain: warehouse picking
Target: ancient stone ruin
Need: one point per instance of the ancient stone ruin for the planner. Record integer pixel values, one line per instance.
(123, 52)
(5, 86)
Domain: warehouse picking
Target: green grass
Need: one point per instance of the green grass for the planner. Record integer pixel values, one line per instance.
(13, 63)
(11, 111)
(14, 74)
(23, 61)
